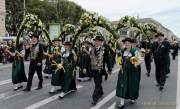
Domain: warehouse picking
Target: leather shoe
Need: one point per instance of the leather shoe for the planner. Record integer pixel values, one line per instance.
(39, 87)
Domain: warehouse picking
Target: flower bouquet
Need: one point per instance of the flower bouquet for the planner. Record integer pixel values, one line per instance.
(134, 60)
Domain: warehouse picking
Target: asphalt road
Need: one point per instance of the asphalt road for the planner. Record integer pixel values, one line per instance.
(149, 98)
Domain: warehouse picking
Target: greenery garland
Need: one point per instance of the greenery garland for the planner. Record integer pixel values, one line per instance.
(90, 20)
(147, 30)
(127, 22)
(34, 24)
(68, 29)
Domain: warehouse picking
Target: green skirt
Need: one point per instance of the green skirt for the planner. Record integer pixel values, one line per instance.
(128, 82)
(69, 81)
(57, 78)
(18, 72)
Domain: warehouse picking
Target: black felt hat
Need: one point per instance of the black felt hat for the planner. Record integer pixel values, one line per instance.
(56, 39)
(127, 39)
(159, 34)
(99, 37)
(31, 35)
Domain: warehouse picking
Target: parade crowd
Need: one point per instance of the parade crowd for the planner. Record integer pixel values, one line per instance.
(94, 59)
(5, 57)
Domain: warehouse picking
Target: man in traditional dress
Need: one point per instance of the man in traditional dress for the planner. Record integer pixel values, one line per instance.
(84, 61)
(96, 54)
(175, 48)
(107, 60)
(112, 54)
(36, 58)
(168, 57)
(147, 46)
(161, 54)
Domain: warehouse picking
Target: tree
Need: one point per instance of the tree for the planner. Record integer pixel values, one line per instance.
(45, 11)
(14, 10)
(63, 12)
(69, 12)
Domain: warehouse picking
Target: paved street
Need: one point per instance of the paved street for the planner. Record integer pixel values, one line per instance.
(150, 96)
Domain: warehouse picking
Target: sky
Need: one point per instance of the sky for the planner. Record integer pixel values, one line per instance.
(167, 12)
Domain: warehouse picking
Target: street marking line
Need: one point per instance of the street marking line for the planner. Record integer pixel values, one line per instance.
(19, 93)
(105, 100)
(178, 87)
(112, 106)
(116, 70)
(5, 82)
(10, 65)
(10, 80)
(45, 101)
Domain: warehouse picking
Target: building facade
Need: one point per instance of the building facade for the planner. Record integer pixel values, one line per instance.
(2, 17)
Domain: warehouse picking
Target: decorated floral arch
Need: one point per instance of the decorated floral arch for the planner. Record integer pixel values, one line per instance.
(147, 30)
(90, 20)
(34, 24)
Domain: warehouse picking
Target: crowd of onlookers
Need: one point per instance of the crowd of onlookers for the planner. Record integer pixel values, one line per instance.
(5, 57)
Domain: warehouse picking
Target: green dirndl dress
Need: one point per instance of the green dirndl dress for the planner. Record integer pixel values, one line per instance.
(69, 82)
(128, 80)
(57, 76)
(18, 72)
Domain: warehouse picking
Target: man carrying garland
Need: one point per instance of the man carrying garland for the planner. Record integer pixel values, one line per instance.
(84, 61)
(161, 54)
(36, 58)
(147, 46)
(96, 54)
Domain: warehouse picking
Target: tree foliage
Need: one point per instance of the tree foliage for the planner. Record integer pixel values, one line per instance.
(63, 12)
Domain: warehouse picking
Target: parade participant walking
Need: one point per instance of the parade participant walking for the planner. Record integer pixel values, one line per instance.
(168, 57)
(148, 55)
(18, 71)
(49, 54)
(36, 58)
(161, 53)
(57, 74)
(68, 62)
(84, 61)
(107, 60)
(112, 56)
(175, 48)
(97, 65)
(128, 78)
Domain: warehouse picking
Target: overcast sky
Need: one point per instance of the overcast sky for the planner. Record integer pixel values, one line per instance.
(166, 12)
